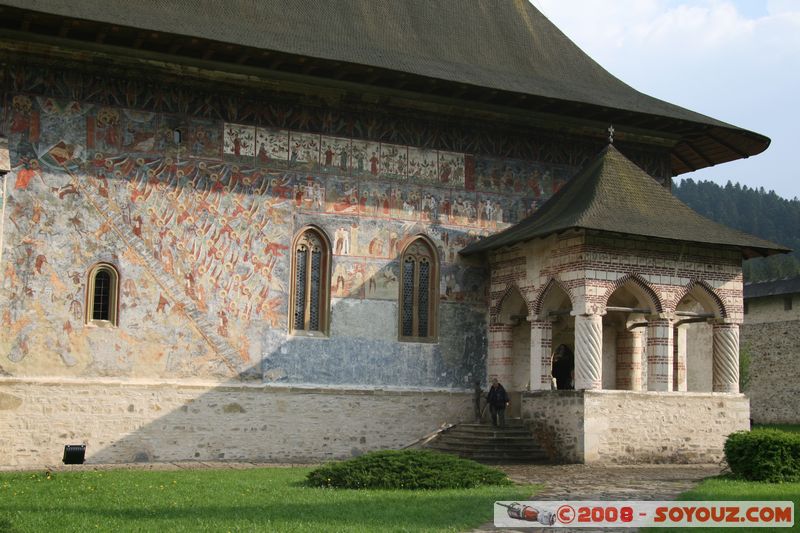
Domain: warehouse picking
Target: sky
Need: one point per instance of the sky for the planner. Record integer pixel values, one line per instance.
(735, 60)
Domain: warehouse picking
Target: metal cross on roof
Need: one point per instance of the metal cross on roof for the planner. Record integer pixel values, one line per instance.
(611, 134)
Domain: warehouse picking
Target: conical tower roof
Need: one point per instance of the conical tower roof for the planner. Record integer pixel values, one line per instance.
(612, 194)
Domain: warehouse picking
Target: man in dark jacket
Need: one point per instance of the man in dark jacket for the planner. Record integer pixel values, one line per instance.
(497, 398)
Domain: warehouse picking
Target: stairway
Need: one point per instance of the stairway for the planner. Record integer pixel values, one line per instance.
(513, 443)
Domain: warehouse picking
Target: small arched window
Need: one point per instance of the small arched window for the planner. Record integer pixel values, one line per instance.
(419, 291)
(102, 296)
(311, 282)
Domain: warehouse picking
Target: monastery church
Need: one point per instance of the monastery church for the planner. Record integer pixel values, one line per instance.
(294, 231)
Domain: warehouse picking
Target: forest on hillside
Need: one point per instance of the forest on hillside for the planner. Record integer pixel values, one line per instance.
(755, 211)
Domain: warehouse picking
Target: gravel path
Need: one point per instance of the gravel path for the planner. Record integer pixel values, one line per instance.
(582, 482)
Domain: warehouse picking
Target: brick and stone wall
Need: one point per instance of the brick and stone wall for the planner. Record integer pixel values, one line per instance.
(774, 387)
(635, 427)
(161, 421)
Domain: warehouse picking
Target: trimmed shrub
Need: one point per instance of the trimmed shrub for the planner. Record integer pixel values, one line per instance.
(406, 469)
(764, 455)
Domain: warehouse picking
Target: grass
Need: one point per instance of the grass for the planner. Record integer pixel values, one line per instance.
(724, 488)
(791, 428)
(264, 499)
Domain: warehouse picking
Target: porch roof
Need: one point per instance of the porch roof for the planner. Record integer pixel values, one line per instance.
(612, 194)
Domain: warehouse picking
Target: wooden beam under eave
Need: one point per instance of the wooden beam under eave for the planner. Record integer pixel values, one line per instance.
(696, 152)
(685, 163)
(727, 145)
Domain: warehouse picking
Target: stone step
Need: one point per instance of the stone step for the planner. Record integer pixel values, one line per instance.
(499, 432)
(503, 458)
(532, 451)
(456, 439)
(484, 443)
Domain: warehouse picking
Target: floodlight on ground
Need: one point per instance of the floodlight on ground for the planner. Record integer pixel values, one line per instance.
(74, 454)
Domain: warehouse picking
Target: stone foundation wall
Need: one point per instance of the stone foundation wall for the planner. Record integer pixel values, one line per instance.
(634, 427)
(556, 418)
(774, 387)
(653, 427)
(159, 421)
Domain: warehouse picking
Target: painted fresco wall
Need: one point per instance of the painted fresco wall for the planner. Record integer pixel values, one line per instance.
(201, 229)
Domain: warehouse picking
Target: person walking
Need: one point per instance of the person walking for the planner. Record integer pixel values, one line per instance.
(498, 400)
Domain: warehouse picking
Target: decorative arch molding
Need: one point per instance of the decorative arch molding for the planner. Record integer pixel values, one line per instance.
(536, 304)
(709, 291)
(640, 283)
(494, 312)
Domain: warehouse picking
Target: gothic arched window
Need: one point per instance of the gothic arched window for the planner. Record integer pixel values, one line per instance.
(102, 296)
(311, 281)
(419, 291)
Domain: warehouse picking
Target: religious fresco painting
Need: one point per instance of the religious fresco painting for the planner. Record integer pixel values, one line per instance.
(394, 161)
(205, 138)
(422, 165)
(272, 148)
(335, 155)
(239, 142)
(304, 151)
(205, 210)
(366, 157)
(138, 131)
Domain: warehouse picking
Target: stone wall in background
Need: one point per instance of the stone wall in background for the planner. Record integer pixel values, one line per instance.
(774, 387)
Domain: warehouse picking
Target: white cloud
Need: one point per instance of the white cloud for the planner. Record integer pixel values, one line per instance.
(736, 61)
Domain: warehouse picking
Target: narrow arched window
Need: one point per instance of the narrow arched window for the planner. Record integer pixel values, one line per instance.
(419, 289)
(102, 295)
(310, 297)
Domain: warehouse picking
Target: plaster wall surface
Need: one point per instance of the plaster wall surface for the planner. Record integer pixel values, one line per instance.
(155, 421)
(699, 357)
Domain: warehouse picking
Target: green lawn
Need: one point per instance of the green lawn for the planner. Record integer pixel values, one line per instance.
(264, 499)
(792, 428)
(722, 488)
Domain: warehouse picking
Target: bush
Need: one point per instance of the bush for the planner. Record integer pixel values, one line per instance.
(764, 455)
(406, 469)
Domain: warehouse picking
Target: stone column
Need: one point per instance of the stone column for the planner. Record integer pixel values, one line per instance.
(588, 352)
(726, 357)
(679, 378)
(629, 359)
(541, 351)
(499, 360)
(659, 353)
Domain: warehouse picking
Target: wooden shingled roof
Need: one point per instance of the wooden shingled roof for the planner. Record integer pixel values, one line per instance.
(498, 52)
(612, 194)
